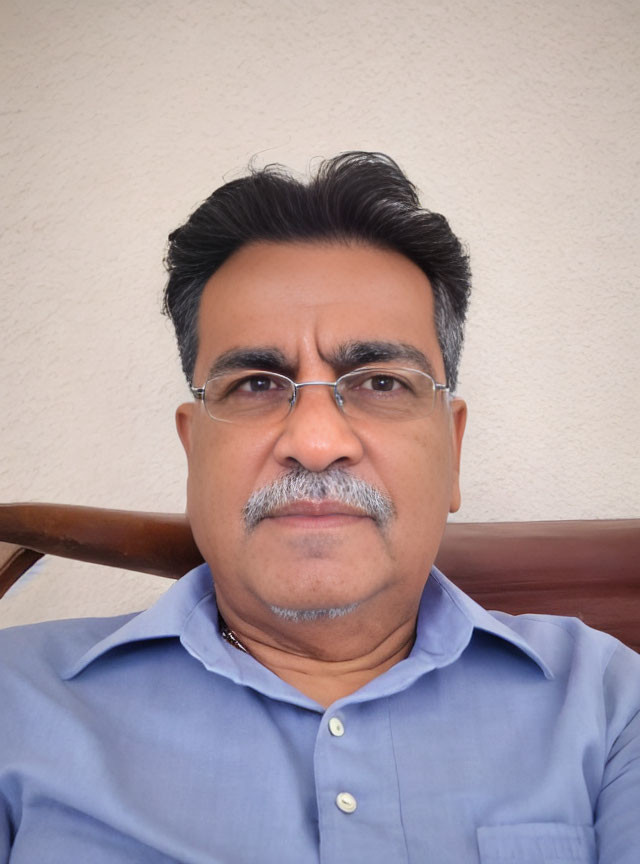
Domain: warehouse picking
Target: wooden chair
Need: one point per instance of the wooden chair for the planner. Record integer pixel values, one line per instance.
(590, 569)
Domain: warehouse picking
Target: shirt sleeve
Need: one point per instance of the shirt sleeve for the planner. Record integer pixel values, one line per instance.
(617, 816)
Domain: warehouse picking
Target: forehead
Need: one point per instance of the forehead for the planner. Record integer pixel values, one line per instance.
(303, 298)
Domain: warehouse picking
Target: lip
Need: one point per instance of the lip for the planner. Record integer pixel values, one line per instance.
(317, 513)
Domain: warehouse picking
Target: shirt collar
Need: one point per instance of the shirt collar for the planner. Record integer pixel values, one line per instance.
(165, 619)
(188, 612)
(481, 619)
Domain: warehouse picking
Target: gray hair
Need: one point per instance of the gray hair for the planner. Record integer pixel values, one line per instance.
(334, 484)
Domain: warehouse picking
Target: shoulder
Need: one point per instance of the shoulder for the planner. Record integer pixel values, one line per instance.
(36, 696)
(592, 665)
(567, 640)
(44, 649)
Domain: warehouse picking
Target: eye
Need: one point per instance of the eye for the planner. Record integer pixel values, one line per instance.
(388, 386)
(258, 384)
(252, 386)
(382, 383)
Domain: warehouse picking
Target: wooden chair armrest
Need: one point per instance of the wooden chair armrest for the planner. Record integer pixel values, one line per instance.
(157, 543)
(14, 561)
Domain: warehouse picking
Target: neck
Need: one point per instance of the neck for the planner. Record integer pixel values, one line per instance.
(326, 659)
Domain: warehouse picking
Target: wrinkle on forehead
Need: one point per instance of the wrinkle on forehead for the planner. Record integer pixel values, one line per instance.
(342, 358)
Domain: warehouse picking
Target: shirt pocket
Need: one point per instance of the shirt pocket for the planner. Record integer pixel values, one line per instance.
(537, 843)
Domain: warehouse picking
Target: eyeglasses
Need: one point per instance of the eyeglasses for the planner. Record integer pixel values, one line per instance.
(256, 396)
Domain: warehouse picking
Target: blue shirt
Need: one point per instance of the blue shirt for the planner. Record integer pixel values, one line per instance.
(149, 738)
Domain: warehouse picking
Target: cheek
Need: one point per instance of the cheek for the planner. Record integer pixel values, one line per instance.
(223, 471)
(419, 476)
(419, 473)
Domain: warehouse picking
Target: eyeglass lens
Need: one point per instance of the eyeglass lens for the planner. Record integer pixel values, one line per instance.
(248, 397)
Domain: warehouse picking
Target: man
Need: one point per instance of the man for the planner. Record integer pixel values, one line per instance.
(317, 691)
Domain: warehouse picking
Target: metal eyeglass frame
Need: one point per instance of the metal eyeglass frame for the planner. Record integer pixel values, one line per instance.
(199, 392)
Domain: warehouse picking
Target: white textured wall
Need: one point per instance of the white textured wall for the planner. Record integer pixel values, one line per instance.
(518, 120)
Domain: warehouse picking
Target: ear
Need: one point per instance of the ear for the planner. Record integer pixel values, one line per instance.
(184, 425)
(458, 423)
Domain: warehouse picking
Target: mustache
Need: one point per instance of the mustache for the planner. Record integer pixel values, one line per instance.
(335, 484)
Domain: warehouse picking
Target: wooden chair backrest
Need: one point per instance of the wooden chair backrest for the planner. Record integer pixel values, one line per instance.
(590, 569)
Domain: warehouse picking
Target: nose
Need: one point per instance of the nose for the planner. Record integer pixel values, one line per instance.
(316, 434)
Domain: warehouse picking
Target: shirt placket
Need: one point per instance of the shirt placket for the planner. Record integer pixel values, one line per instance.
(359, 814)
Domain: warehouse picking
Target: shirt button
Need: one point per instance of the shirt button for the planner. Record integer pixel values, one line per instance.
(346, 802)
(336, 727)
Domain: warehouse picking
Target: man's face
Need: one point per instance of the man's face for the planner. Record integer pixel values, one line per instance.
(306, 303)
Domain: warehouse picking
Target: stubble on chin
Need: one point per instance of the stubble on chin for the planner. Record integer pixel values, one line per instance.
(308, 615)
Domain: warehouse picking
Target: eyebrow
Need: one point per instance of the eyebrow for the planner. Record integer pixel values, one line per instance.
(363, 353)
(344, 358)
(267, 358)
